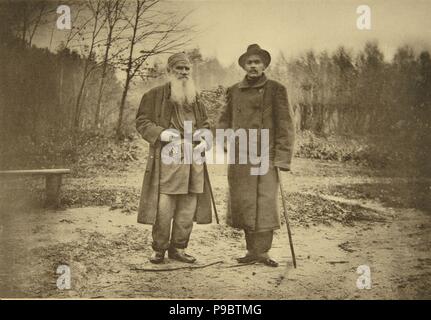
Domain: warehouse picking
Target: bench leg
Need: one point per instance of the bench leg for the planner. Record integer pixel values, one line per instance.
(53, 184)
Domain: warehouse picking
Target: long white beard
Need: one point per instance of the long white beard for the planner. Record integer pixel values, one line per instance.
(182, 91)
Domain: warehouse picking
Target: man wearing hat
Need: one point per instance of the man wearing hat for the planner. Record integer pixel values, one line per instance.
(258, 103)
(174, 193)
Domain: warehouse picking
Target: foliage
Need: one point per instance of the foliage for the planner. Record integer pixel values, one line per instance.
(37, 111)
(337, 148)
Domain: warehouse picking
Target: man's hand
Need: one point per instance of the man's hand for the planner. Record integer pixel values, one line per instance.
(169, 135)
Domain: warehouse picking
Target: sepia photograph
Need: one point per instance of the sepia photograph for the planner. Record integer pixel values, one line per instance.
(215, 150)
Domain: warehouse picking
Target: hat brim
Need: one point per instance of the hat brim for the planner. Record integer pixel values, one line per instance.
(266, 57)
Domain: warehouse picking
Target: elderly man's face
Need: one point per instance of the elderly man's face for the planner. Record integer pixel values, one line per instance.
(181, 71)
(254, 66)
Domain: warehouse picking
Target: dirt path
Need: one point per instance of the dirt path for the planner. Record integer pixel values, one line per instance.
(334, 231)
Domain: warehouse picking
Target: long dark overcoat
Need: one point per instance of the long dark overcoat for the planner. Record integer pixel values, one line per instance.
(253, 199)
(154, 116)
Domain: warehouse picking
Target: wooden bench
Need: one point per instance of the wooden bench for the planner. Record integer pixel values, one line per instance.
(52, 182)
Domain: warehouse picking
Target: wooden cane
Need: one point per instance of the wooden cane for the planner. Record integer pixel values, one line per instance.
(211, 191)
(286, 218)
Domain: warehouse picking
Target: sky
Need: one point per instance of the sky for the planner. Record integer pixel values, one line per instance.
(227, 27)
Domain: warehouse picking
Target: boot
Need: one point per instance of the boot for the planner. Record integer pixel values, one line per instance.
(250, 257)
(180, 255)
(267, 260)
(157, 257)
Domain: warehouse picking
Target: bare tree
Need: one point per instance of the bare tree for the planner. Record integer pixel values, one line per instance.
(153, 32)
(28, 17)
(71, 35)
(112, 9)
(90, 64)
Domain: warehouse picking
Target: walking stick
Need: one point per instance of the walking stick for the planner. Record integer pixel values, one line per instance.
(285, 217)
(211, 191)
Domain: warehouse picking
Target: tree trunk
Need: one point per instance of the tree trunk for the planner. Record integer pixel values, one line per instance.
(129, 75)
(119, 131)
(102, 80)
(78, 104)
(60, 93)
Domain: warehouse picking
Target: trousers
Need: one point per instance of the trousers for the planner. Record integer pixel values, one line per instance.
(177, 210)
(259, 242)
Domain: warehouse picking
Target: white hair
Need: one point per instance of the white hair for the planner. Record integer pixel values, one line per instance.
(182, 90)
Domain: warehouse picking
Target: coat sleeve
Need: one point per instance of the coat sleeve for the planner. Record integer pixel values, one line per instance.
(284, 129)
(204, 121)
(205, 124)
(145, 119)
(225, 119)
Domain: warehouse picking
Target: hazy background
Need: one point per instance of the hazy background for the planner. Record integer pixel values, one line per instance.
(226, 27)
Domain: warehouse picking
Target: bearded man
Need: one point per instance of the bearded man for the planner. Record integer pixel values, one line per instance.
(258, 103)
(176, 193)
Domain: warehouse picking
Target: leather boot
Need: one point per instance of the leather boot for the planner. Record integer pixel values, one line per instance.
(180, 255)
(157, 257)
(250, 257)
(267, 260)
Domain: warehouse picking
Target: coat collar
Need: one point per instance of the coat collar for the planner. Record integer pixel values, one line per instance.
(244, 83)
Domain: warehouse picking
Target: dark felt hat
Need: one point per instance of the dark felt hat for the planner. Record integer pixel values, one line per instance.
(255, 49)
